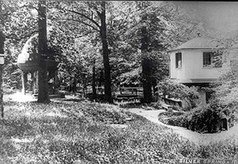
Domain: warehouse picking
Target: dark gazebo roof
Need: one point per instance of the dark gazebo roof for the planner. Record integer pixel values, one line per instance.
(198, 43)
(28, 59)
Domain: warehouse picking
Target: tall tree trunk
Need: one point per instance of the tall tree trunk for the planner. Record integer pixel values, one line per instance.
(84, 85)
(56, 81)
(94, 81)
(1, 92)
(43, 94)
(146, 66)
(2, 39)
(103, 34)
(101, 78)
(74, 84)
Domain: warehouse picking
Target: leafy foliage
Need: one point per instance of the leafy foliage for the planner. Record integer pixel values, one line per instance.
(178, 91)
(19, 24)
(209, 118)
(78, 37)
(226, 88)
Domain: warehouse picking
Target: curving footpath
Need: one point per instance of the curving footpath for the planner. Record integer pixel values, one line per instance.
(195, 137)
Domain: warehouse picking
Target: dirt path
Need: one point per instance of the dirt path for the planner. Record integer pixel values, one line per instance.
(197, 138)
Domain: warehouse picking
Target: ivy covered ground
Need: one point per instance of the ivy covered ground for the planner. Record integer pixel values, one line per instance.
(85, 132)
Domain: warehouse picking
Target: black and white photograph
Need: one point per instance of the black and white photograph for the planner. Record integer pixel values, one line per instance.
(118, 82)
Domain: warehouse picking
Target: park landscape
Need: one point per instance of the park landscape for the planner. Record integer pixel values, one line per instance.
(90, 82)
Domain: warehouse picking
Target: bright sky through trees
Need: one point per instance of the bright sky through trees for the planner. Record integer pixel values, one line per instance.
(221, 16)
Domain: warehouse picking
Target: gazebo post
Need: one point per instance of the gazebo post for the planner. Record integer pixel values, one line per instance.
(24, 81)
(35, 83)
(32, 82)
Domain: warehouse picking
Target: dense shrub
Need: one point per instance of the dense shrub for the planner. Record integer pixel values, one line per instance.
(226, 88)
(179, 91)
(209, 118)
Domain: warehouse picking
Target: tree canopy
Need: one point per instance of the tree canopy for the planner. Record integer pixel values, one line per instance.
(106, 36)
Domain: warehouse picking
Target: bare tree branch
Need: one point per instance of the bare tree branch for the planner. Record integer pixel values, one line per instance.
(85, 16)
(23, 36)
(76, 20)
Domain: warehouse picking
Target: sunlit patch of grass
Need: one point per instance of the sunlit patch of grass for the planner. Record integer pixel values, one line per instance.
(19, 97)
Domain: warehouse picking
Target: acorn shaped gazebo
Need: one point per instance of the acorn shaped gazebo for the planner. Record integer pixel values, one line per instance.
(28, 62)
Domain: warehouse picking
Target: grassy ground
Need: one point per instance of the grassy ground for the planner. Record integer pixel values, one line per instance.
(84, 132)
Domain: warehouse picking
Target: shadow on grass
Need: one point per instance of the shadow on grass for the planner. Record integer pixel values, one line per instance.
(68, 99)
(131, 105)
(15, 127)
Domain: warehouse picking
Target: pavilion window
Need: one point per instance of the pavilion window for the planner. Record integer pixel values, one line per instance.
(212, 59)
(207, 59)
(178, 60)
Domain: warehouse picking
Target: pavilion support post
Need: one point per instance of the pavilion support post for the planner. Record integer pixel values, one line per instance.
(36, 83)
(24, 81)
(32, 82)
